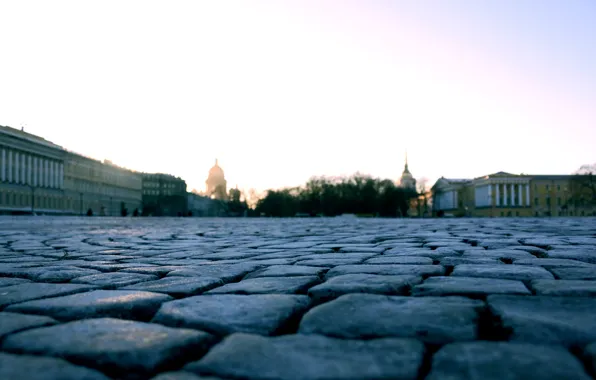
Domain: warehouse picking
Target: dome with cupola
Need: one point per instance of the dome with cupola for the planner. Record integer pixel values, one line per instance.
(407, 180)
(216, 182)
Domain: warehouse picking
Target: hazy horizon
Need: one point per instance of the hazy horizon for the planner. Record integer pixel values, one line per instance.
(280, 91)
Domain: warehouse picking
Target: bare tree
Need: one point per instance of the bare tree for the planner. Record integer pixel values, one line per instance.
(422, 185)
(252, 198)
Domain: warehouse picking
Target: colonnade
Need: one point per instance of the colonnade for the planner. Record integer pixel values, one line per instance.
(27, 169)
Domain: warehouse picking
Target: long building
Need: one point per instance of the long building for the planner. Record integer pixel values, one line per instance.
(505, 195)
(38, 176)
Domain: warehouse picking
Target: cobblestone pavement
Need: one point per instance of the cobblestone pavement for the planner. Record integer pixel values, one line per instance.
(191, 298)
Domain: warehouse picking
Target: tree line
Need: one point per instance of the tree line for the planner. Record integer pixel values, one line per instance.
(332, 196)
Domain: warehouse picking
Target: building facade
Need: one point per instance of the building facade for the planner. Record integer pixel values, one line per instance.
(31, 174)
(164, 195)
(100, 188)
(37, 176)
(505, 195)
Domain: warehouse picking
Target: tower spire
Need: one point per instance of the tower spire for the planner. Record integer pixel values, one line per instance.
(406, 159)
(216, 162)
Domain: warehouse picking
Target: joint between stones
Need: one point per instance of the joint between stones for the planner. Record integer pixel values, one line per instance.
(490, 326)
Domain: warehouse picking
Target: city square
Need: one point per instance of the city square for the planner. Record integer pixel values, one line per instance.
(297, 298)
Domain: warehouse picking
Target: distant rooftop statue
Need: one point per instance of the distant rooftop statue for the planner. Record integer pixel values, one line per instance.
(216, 182)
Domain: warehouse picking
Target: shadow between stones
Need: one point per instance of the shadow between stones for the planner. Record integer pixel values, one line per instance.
(427, 360)
(490, 326)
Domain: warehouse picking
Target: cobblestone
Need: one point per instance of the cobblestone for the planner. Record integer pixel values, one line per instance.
(324, 298)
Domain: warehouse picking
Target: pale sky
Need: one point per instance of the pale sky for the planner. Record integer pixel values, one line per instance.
(279, 91)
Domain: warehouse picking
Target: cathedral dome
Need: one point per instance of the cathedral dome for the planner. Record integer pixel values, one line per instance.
(216, 182)
(407, 180)
(216, 171)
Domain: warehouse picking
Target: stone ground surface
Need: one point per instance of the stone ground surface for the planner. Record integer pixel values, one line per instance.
(337, 298)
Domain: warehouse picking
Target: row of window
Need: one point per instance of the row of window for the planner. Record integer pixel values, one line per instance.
(157, 185)
(548, 187)
(22, 200)
(157, 192)
(103, 174)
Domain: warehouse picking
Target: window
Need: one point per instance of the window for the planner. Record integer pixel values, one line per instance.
(558, 201)
(517, 213)
(536, 203)
(558, 187)
(548, 201)
(502, 213)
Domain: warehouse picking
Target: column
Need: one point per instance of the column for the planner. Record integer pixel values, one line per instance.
(23, 168)
(30, 170)
(497, 195)
(3, 170)
(51, 173)
(57, 175)
(520, 199)
(489, 202)
(512, 195)
(504, 194)
(35, 164)
(42, 172)
(46, 174)
(528, 203)
(16, 168)
(61, 175)
(9, 176)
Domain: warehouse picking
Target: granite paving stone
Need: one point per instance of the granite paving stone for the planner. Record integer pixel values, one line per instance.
(311, 357)
(114, 346)
(328, 262)
(264, 314)
(177, 286)
(553, 263)
(587, 254)
(573, 288)
(504, 272)
(362, 283)
(567, 321)
(224, 272)
(8, 281)
(125, 304)
(510, 254)
(500, 360)
(458, 260)
(364, 316)
(44, 368)
(14, 322)
(183, 375)
(400, 260)
(286, 270)
(387, 269)
(269, 285)
(468, 286)
(575, 273)
(113, 280)
(276, 298)
(31, 291)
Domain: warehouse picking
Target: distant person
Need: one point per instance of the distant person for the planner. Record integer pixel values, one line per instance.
(135, 212)
(89, 212)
